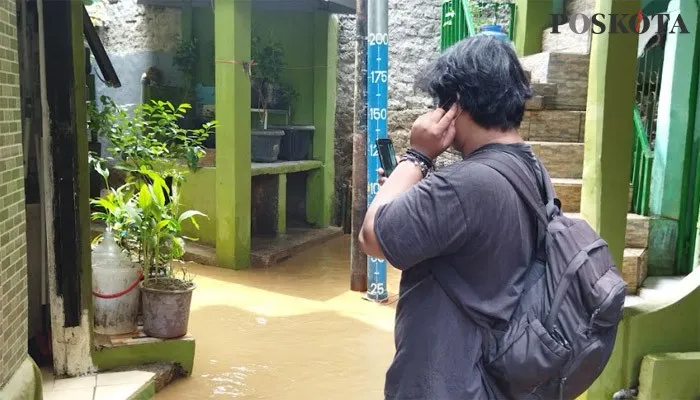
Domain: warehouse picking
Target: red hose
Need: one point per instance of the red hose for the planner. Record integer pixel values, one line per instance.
(123, 292)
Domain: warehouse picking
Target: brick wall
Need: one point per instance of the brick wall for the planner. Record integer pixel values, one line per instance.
(13, 258)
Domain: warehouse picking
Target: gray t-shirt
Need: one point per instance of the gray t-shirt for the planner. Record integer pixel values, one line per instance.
(468, 217)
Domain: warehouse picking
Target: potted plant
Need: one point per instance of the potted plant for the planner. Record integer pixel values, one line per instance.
(155, 154)
(166, 291)
(268, 91)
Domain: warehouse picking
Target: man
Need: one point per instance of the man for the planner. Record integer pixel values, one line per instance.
(465, 216)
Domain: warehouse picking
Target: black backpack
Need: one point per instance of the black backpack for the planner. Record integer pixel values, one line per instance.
(562, 332)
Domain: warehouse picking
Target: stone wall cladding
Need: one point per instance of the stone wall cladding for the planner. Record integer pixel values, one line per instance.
(414, 41)
(570, 73)
(128, 27)
(13, 258)
(580, 7)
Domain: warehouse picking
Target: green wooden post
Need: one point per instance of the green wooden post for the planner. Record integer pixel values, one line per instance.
(320, 184)
(611, 83)
(232, 43)
(531, 18)
(676, 118)
(281, 203)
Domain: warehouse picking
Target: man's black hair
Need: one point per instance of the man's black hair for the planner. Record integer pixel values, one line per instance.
(486, 75)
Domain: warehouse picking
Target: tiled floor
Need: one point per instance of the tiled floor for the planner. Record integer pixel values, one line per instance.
(104, 386)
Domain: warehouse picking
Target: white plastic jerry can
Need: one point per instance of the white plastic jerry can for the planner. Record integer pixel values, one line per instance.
(113, 274)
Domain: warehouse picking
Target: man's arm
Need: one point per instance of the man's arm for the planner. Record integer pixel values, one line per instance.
(405, 175)
(431, 134)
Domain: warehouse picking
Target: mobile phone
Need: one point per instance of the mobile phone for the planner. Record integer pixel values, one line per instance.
(444, 104)
(387, 155)
(448, 104)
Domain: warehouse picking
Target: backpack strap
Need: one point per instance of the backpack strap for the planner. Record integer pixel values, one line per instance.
(520, 182)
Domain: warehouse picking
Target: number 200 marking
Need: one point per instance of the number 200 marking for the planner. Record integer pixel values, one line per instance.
(378, 38)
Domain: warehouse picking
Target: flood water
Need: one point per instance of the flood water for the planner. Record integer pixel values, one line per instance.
(292, 331)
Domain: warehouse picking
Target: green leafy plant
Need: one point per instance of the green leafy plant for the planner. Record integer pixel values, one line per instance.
(156, 154)
(147, 225)
(160, 227)
(150, 137)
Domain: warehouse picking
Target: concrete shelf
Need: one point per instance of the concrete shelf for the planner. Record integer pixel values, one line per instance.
(284, 167)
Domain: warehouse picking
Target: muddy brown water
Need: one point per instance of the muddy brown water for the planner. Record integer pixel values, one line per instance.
(291, 331)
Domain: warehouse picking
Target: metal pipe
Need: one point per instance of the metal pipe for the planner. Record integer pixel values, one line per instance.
(358, 260)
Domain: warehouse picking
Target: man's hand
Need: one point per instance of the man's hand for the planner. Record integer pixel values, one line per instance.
(380, 171)
(433, 132)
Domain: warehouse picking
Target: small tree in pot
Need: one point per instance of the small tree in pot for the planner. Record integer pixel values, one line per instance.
(166, 294)
(156, 154)
(268, 91)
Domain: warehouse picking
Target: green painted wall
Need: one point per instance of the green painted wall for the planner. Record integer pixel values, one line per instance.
(663, 236)
(608, 130)
(672, 325)
(670, 376)
(671, 185)
(531, 18)
(320, 188)
(199, 193)
(675, 115)
(295, 30)
(203, 31)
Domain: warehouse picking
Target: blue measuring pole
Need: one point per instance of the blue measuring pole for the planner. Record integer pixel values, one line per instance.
(377, 91)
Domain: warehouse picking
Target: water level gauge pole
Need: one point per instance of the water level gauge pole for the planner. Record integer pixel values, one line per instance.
(377, 83)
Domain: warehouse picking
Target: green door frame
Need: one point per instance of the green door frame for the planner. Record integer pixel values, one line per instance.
(690, 192)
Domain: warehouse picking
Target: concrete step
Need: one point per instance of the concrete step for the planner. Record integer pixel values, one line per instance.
(660, 288)
(553, 126)
(569, 193)
(562, 159)
(569, 71)
(637, 233)
(634, 268)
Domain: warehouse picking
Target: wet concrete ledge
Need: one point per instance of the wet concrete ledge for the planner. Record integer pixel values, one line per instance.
(267, 251)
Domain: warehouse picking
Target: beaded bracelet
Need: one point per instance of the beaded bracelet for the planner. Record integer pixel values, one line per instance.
(418, 162)
(422, 157)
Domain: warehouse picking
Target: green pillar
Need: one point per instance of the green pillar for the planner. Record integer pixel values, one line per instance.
(531, 18)
(320, 184)
(675, 121)
(232, 46)
(608, 135)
